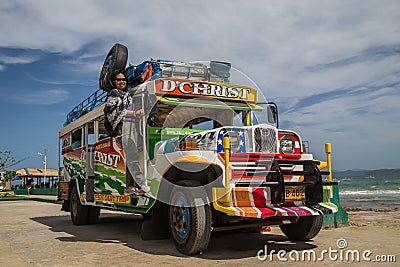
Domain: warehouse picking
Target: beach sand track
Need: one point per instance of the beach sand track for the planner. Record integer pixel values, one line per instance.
(39, 234)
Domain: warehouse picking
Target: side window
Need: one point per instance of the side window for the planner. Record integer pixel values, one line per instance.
(102, 133)
(91, 133)
(66, 143)
(76, 139)
(96, 130)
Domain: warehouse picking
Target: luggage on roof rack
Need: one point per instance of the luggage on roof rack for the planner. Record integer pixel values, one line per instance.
(183, 70)
(151, 70)
(148, 70)
(220, 71)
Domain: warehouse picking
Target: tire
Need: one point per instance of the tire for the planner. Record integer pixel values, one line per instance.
(93, 215)
(79, 212)
(147, 216)
(116, 59)
(190, 226)
(304, 229)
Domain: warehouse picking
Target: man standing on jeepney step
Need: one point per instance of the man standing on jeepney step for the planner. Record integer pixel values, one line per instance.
(122, 116)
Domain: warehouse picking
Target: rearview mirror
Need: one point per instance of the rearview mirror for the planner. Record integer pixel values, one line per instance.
(272, 114)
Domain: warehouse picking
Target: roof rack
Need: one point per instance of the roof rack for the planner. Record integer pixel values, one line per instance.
(94, 100)
(217, 72)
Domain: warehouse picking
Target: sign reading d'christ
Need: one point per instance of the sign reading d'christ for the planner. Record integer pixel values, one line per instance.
(195, 89)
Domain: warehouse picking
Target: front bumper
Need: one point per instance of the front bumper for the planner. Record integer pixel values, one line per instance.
(267, 198)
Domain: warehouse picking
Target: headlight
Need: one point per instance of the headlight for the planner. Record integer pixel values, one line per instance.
(287, 144)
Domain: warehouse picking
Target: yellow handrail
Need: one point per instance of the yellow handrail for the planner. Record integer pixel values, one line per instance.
(226, 143)
(221, 195)
(328, 150)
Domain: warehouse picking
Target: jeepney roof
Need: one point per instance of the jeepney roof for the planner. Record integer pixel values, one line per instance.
(172, 91)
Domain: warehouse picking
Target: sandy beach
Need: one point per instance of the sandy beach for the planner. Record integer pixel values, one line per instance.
(39, 234)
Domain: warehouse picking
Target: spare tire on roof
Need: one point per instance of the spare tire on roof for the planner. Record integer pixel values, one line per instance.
(116, 59)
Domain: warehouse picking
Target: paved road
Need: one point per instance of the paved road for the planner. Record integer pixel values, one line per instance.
(39, 234)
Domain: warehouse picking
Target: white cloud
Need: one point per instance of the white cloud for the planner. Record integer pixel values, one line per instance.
(43, 97)
(361, 127)
(298, 52)
(63, 82)
(5, 59)
(318, 30)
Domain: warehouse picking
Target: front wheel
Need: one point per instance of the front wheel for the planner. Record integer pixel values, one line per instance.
(189, 218)
(304, 229)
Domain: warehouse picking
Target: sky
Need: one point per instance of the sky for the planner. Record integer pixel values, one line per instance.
(333, 67)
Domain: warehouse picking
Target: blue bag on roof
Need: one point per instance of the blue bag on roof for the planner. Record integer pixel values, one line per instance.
(148, 70)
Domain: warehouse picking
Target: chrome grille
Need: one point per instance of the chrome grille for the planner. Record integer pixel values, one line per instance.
(265, 140)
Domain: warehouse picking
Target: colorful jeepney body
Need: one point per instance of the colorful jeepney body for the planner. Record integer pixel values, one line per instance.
(262, 177)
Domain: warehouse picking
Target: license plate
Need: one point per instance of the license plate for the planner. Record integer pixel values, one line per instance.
(295, 193)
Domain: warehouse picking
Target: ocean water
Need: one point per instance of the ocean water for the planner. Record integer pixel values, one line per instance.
(370, 192)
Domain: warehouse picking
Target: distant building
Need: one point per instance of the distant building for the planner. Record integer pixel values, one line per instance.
(37, 175)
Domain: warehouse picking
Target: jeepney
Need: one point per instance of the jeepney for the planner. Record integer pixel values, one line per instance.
(211, 152)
